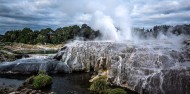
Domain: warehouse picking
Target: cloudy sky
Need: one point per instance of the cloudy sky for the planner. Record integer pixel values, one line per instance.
(37, 14)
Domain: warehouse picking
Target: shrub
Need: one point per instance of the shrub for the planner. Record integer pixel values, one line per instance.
(41, 81)
(98, 86)
(115, 91)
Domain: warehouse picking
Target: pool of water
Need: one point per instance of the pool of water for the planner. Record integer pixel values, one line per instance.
(75, 83)
(71, 84)
(8, 82)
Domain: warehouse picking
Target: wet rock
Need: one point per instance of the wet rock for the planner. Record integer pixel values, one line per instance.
(31, 66)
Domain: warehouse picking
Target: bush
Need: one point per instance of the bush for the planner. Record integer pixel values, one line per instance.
(41, 81)
(115, 91)
(98, 86)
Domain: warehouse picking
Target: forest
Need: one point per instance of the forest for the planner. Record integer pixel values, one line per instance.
(85, 32)
(60, 35)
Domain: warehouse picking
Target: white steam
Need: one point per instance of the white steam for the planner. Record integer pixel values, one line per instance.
(105, 24)
(111, 17)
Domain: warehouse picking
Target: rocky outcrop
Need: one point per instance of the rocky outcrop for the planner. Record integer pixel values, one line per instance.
(148, 68)
(33, 65)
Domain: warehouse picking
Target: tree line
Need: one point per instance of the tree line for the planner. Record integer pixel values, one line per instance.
(162, 29)
(60, 35)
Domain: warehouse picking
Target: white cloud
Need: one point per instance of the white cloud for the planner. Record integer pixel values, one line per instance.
(56, 13)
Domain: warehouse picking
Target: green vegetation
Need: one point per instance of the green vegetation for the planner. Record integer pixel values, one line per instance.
(39, 81)
(100, 86)
(43, 36)
(163, 29)
(115, 91)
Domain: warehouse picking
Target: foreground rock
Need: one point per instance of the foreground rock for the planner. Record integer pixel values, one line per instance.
(146, 67)
(6, 90)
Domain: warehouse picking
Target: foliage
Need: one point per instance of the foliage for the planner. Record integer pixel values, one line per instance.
(41, 80)
(43, 36)
(98, 86)
(115, 91)
(162, 29)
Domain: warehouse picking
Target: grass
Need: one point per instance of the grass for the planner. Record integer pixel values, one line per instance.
(41, 80)
(98, 86)
(115, 91)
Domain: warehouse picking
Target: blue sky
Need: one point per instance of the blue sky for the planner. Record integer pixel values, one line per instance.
(37, 14)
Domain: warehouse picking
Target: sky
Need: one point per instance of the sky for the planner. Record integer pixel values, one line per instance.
(38, 14)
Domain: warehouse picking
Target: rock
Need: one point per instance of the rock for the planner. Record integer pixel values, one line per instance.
(142, 69)
(31, 66)
(6, 90)
(33, 92)
(145, 68)
(59, 55)
(52, 93)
